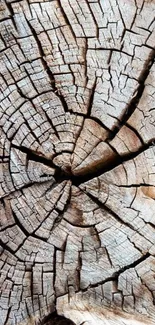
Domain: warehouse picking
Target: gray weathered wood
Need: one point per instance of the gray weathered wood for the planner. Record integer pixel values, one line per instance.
(77, 172)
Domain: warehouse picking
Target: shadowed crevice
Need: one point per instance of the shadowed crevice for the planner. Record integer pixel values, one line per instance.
(61, 175)
(55, 319)
(116, 274)
(132, 105)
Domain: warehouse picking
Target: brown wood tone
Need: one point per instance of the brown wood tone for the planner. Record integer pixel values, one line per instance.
(77, 153)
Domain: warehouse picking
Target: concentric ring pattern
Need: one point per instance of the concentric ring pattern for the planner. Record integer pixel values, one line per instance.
(77, 172)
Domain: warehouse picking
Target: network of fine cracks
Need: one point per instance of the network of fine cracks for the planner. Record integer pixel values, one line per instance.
(77, 178)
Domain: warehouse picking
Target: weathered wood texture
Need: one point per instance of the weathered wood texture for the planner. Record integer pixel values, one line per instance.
(77, 172)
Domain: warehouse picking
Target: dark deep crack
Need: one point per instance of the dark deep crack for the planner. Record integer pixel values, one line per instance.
(61, 175)
(47, 68)
(132, 105)
(104, 207)
(116, 275)
(55, 319)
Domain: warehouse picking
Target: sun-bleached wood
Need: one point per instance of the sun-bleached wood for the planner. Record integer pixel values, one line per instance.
(77, 172)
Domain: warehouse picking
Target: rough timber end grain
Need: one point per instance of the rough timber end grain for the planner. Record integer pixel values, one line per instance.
(77, 162)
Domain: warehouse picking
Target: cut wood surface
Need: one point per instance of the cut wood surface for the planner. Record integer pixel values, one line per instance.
(77, 172)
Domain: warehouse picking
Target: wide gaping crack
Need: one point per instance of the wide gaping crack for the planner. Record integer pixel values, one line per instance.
(60, 174)
(116, 274)
(132, 105)
(55, 319)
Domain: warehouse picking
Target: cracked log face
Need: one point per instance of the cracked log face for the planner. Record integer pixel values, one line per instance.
(77, 172)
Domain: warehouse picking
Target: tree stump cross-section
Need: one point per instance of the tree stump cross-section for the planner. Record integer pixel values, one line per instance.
(77, 171)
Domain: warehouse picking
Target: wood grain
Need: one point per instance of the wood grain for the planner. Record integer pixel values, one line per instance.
(77, 172)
